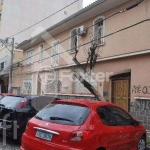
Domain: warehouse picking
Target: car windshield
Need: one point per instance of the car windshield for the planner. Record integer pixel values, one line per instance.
(64, 114)
(10, 101)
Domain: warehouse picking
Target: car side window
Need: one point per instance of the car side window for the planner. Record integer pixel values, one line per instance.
(122, 117)
(106, 115)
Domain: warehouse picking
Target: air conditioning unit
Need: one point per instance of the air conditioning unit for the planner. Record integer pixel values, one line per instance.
(81, 30)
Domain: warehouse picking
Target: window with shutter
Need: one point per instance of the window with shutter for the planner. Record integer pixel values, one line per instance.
(55, 54)
(41, 48)
(98, 31)
(73, 40)
(30, 57)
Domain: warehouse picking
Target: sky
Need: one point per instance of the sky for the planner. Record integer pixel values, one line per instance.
(87, 2)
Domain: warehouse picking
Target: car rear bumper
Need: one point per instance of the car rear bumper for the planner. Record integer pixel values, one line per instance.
(29, 143)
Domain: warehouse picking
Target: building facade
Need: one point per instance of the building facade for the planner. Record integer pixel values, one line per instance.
(5, 63)
(121, 72)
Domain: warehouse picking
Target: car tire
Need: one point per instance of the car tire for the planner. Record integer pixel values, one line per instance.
(142, 144)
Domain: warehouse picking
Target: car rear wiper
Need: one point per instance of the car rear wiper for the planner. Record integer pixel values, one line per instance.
(2, 105)
(59, 118)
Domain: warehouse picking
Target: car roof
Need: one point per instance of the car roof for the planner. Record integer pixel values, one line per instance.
(31, 96)
(7, 94)
(83, 102)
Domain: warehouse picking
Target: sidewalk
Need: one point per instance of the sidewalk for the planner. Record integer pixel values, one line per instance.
(148, 148)
(148, 136)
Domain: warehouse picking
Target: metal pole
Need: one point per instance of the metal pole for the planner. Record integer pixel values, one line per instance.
(11, 68)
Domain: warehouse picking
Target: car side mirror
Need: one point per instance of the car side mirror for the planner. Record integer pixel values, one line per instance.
(135, 123)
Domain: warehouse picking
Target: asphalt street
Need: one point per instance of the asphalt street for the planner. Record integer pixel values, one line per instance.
(10, 144)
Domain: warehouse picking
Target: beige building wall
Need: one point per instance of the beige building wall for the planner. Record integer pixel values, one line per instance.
(131, 40)
(140, 69)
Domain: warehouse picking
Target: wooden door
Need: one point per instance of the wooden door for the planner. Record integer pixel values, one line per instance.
(120, 93)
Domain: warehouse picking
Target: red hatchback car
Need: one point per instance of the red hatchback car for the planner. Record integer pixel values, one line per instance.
(83, 125)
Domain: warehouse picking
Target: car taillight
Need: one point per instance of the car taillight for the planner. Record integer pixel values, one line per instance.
(80, 135)
(22, 104)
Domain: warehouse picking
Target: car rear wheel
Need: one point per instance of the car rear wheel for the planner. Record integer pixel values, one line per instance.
(142, 144)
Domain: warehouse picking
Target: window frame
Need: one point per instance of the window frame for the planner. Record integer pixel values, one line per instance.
(102, 39)
(70, 43)
(41, 52)
(53, 54)
(29, 58)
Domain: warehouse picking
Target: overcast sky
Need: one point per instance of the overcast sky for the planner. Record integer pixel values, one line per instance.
(87, 2)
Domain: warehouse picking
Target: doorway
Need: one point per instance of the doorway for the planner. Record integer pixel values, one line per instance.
(121, 90)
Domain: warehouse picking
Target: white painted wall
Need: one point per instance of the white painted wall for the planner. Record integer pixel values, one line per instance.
(20, 14)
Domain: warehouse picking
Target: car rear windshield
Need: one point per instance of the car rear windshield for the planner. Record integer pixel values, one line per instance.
(1, 97)
(64, 114)
(10, 101)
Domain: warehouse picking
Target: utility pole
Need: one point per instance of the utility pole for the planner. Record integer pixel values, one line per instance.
(11, 44)
(11, 66)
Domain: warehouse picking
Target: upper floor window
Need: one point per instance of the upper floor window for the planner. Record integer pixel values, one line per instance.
(29, 57)
(1, 66)
(73, 40)
(41, 48)
(55, 54)
(98, 30)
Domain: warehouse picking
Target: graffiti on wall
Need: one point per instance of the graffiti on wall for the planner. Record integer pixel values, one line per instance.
(142, 105)
(27, 86)
(140, 89)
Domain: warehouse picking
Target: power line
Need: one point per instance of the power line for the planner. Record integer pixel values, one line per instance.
(126, 9)
(90, 41)
(41, 20)
(112, 56)
(44, 19)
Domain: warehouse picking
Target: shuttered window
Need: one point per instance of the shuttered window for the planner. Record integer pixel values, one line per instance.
(41, 48)
(29, 57)
(55, 54)
(98, 31)
(74, 40)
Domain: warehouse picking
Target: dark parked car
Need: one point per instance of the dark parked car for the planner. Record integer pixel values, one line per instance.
(15, 112)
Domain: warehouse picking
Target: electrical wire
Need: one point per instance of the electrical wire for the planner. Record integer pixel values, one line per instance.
(112, 56)
(127, 8)
(44, 19)
(89, 42)
(75, 35)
